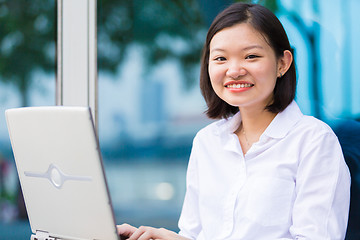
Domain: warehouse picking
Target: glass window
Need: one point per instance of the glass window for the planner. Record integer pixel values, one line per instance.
(150, 106)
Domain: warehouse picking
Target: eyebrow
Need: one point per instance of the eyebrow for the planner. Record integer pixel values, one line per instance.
(252, 47)
(244, 49)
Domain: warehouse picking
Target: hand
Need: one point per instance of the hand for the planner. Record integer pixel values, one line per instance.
(125, 231)
(149, 233)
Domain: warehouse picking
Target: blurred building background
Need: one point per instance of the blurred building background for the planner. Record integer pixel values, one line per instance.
(150, 106)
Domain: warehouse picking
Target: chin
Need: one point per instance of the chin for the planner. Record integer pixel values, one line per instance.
(238, 105)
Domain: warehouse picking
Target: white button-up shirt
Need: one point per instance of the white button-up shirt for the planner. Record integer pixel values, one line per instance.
(291, 184)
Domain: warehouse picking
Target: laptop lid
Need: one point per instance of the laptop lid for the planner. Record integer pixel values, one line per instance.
(61, 174)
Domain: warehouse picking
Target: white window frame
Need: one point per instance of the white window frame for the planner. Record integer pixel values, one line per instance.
(76, 81)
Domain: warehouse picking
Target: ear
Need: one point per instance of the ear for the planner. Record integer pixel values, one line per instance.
(284, 63)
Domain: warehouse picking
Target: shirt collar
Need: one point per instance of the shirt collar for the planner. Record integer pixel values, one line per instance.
(230, 125)
(278, 128)
(284, 121)
(226, 128)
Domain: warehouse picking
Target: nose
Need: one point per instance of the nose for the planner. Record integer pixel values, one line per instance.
(235, 71)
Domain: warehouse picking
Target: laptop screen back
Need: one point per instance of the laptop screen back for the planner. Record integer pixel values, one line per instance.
(61, 174)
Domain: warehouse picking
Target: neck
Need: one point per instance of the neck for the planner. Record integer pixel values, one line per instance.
(254, 123)
(256, 119)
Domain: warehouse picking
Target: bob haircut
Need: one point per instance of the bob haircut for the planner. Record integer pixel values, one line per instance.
(266, 23)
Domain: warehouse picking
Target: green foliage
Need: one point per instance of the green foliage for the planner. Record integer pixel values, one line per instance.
(27, 40)
(159, 27)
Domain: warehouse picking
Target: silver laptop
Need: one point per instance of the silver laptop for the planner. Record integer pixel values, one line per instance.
(61, 174)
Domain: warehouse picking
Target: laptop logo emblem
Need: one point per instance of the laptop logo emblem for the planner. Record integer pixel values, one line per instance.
(56, 176)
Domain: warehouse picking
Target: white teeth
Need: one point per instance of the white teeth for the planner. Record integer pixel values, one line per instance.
(243, 85)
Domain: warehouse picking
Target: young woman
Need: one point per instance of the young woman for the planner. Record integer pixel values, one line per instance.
(265, 170)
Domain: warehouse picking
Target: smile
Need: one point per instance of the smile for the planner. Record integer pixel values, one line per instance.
(239, 85)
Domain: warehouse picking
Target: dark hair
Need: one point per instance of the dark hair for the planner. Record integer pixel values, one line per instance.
(264, 21)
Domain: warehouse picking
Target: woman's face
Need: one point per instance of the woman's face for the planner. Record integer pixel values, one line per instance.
(243, 67)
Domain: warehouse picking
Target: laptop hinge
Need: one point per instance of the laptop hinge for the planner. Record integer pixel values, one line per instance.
(41, 235)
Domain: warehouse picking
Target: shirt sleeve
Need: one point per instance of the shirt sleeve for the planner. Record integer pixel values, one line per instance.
(189, 222)
(322, 201)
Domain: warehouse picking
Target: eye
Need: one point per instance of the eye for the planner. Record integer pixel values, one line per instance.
(220, 59)
(252, 56)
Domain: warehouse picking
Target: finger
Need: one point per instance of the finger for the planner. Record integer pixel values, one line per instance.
(143, 233)
(125, 230)
(149, 235)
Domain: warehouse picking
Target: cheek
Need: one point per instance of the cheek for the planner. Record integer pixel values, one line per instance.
(215, 79)
(266, 73)
(211, 72)
(215, 74)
